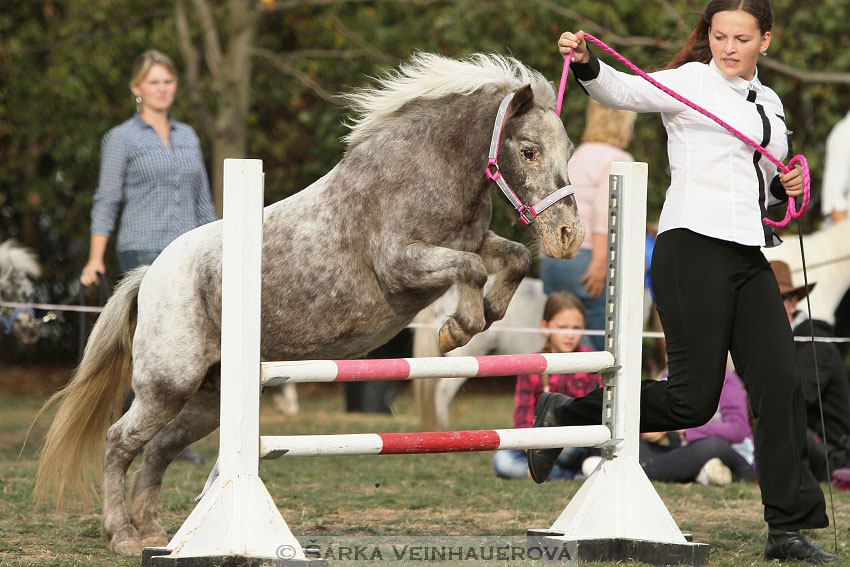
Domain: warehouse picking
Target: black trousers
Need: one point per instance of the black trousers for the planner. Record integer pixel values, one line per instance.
(715, 297)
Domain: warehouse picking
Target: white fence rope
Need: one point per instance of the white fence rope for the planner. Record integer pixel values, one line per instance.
(501, 329)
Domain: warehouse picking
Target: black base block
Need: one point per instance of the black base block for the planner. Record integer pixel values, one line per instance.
(542, 544)
(158, 557)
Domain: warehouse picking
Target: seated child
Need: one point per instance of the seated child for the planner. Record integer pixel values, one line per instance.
(563, 311)
(717, 453)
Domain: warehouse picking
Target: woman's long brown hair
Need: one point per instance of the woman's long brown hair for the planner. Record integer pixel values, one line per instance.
(696, 47)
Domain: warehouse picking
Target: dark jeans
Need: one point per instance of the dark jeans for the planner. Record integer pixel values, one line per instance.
(682, 463)
(128, 260)
(716, 296)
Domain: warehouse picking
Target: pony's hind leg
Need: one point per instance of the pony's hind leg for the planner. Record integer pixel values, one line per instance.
(157, 402)
(198, 419)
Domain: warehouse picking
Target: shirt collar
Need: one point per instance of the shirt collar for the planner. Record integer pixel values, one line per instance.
(140, 122)
(738, 83)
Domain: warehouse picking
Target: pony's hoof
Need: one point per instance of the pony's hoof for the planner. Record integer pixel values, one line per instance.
(452, 335)
(128, 547)
(447, 342)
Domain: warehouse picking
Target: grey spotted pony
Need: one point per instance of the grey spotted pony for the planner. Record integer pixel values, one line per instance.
(347, 264)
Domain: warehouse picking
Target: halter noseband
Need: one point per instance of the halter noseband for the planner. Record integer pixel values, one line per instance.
(526, 214)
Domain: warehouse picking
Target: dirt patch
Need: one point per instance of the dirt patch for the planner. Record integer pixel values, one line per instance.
(33, 379)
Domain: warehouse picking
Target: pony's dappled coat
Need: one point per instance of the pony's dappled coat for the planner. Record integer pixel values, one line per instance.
(347, 263)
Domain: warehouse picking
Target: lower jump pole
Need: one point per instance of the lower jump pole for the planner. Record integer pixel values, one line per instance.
(272, 447)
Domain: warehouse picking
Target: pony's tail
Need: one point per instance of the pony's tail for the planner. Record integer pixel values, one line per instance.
(72, 457)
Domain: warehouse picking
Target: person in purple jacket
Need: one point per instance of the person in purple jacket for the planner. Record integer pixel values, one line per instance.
(713, 454)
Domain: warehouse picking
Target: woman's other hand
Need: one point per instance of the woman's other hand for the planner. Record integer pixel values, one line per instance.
(793, 182)
(90, 271)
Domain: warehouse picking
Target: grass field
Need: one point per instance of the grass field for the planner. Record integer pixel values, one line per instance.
(345, 497)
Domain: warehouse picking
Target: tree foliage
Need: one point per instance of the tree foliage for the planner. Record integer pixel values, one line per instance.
(65, 65)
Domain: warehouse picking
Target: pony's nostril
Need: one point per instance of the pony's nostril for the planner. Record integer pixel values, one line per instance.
(566, 233)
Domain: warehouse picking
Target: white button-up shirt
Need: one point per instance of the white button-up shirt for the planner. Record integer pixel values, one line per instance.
(718, 187)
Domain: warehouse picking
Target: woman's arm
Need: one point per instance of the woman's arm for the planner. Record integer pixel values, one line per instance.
(623, 90)
(95, 265)
(107, 200)
(204, 208)
(836, 172)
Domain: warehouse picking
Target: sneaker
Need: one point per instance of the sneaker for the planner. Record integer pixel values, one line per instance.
(541, 461)
(714, 473)
(589, 465)
(841, 479)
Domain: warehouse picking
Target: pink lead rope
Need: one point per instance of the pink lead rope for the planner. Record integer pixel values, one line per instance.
(792, 210)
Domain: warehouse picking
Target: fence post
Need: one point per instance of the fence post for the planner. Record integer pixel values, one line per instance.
(617, 514)
(237, 517)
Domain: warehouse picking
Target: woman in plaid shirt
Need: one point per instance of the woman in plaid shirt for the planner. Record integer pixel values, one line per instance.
(152, 176)
(152, 172)
(563, 311)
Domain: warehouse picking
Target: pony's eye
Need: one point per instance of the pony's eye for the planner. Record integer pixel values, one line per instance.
(529, 154)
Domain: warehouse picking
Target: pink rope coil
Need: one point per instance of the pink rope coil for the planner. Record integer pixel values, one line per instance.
(790, 213)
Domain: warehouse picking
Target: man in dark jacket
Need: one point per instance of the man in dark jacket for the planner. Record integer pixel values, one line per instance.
(821, 369)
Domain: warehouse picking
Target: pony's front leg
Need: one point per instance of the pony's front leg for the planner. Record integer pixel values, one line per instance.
(510, 261)
(424, 267)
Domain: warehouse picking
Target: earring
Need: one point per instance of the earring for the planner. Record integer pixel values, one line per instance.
(138, 104)
(764, 52)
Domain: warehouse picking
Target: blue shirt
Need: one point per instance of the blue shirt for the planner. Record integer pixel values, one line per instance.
(164, 191)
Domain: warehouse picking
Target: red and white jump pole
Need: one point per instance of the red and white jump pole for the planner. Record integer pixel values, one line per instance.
(236, 518)
(272, 447)
(369, 370)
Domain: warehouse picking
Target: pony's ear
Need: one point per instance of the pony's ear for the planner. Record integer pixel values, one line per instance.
(522, 102)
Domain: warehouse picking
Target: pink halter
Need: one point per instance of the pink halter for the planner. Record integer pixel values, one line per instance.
(792, 210)
(526, 214)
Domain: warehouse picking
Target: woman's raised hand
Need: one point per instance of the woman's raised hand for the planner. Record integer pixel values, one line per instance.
(575, 42)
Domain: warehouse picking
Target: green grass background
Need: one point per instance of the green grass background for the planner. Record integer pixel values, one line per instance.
(413, 495)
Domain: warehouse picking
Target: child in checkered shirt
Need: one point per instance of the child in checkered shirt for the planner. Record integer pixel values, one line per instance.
(563, 312)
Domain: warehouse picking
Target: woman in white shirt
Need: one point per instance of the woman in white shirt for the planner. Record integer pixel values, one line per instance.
(714, 289)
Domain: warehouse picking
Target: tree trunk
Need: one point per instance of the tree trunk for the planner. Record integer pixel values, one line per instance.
(234, 99)
(230, 71)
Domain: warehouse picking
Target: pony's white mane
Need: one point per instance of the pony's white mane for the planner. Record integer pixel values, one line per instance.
(431, 76)
(15, 258)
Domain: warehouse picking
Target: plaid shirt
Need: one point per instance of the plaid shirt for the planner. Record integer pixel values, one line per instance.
(530, 386)
(164, 191)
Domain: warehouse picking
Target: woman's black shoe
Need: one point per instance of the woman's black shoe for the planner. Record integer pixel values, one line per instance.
(541, 461)
(784, 545)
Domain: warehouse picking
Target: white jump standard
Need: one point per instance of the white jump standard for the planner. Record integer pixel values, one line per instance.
(615, 516)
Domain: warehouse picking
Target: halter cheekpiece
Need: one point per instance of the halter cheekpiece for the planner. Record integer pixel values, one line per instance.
(494, 174)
